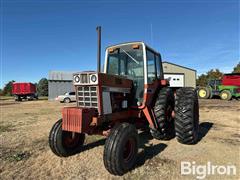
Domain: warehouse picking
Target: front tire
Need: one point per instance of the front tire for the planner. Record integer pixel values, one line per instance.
(120, 150)
(186, 116)
(163, 108)
(64, 143)
(226, 95)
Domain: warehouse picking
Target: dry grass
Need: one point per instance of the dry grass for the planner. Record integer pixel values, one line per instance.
(24, 151)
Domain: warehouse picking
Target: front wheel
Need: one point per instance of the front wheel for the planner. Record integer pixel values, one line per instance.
(226, 95)
(120, 150)
(64, 143)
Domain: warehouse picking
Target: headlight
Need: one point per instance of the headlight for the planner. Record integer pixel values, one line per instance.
(94, 78)
(77, 79)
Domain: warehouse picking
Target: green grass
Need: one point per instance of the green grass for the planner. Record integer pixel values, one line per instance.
(18, 156)
(6, 97)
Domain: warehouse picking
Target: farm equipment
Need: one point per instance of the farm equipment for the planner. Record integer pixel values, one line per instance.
(24, 91)
(226, 88)
(130, 94)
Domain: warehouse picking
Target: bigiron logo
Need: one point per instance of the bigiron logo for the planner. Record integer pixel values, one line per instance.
(202, 171)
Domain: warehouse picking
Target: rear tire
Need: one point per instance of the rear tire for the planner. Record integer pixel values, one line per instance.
(186, 116)
(18, 98)
(163, 108)
(204, 93)
(120, 150)
(226, 95)
(64, 143)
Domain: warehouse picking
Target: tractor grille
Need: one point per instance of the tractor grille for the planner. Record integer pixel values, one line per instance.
(84, 78)
(87, 96)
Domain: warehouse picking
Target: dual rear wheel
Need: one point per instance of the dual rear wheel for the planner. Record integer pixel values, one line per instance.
(185, 125)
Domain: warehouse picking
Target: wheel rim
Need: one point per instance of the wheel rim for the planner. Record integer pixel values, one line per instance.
(128, 151)
(70, 139)
(202, 93)
(224, 95)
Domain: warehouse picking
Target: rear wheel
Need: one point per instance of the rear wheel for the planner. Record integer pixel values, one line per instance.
(163, 108)
(186, 116)
(18, 98)
(64, 143)
(226, 95)
(203, 93)
(120, 150)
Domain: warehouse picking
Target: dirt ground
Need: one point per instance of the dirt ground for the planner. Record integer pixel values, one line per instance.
(25, 154)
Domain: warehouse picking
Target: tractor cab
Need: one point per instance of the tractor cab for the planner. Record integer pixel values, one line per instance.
(135, 61)
(214, 83)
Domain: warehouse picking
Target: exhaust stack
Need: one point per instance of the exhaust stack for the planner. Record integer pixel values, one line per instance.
(99, 49)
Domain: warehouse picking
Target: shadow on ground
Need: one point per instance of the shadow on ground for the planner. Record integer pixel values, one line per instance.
(149, 150)
(93, 144)
(204, 128)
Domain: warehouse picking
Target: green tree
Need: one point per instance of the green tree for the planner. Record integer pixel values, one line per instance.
(7, 90)
(1, 92)
(42, 87)
(236, 69)
(203, 79)
(214, 74)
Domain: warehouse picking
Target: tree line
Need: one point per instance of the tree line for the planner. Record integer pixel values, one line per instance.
(42, 88)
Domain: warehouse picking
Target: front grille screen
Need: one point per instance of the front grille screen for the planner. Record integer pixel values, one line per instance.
(87, 96)
(84, 78)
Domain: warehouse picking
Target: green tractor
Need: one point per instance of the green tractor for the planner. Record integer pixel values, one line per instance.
(226, 88)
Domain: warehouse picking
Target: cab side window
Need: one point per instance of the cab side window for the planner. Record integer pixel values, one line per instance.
(151, 66)
(159, 66)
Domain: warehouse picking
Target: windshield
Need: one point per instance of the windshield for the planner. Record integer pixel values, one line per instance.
(127, 61)
(212, 83)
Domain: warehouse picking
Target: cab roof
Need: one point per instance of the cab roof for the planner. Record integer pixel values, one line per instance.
(133, 42)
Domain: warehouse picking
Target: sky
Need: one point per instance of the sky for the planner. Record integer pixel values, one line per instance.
(40, 36)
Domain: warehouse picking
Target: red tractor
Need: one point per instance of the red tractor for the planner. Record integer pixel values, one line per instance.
(130, 94)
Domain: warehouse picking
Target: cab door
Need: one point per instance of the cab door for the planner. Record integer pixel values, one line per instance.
(153, 76)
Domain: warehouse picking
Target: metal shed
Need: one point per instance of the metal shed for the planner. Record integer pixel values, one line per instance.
(179, 76)
(58, 83)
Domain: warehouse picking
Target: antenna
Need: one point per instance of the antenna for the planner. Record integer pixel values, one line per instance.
(151, 31)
